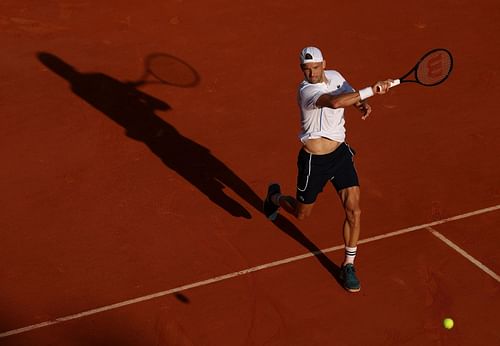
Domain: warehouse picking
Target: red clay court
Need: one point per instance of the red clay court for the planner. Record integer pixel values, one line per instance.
(131, 212)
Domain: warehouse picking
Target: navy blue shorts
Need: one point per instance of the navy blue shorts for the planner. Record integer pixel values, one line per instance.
(315, 170)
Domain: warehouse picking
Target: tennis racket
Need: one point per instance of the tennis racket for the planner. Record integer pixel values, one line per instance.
(432, 69)
(166, 69)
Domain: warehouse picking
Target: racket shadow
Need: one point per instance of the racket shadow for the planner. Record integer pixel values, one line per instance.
(168, 70)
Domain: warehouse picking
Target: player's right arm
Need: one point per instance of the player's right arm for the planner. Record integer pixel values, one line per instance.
(338, 101)
(351, 98)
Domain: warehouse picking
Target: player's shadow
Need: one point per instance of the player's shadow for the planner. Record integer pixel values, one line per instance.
(135, 110)
(289, 228)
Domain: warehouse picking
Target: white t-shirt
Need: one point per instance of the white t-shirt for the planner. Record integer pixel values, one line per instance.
(322, 122)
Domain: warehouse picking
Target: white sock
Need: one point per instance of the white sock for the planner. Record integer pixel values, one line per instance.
(350, 254)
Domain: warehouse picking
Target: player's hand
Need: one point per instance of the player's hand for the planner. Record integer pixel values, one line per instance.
(364, 108)
(381, 87)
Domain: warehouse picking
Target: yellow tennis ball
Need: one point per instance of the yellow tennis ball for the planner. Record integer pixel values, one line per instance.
(448, 323)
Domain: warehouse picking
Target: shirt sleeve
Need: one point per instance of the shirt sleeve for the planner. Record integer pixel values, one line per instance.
(345, 87)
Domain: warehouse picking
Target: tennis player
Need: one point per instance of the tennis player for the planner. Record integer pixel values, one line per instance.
(325, 156)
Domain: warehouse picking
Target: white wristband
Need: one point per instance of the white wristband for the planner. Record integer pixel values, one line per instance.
(365, 93)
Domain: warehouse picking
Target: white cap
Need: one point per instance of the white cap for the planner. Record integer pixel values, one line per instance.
(310, 54)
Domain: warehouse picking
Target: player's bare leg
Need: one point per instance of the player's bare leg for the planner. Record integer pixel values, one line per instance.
(275, 199)
(350, 198)
(294, 207)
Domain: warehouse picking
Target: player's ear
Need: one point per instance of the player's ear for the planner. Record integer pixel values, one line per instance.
(324, 64)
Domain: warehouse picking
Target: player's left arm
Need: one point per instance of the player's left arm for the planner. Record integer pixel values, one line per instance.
(364, 108)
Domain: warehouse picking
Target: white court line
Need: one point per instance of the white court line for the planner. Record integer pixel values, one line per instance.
(464, 253)
(238, 273)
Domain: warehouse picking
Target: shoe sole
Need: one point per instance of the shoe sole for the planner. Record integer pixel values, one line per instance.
(353, 290)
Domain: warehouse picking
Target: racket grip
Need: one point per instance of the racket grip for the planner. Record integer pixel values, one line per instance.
(393, 84)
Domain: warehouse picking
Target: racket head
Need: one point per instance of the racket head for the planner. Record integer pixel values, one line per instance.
(170, 70)
(434, 67)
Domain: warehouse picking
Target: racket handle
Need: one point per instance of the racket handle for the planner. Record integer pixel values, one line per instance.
(393, 84)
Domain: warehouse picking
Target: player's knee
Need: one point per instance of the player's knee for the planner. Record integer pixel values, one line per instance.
(353, 213)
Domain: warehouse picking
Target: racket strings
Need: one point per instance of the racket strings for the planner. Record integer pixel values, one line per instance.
(434, 68)
(170, 70)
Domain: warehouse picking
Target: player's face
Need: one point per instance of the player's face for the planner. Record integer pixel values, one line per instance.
(314, 71)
